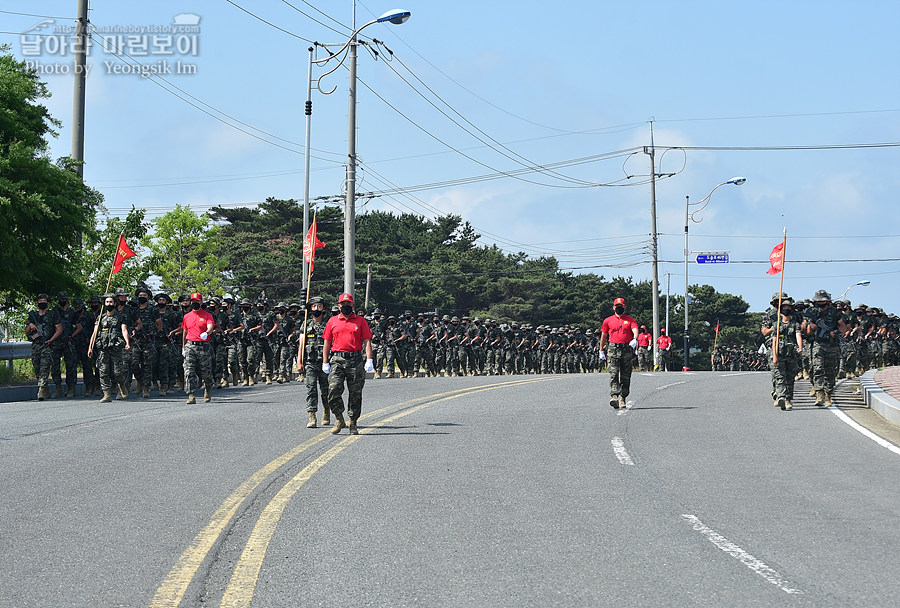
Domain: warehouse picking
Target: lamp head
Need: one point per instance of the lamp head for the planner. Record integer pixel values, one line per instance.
(395, 16)
(737, 181)
(864, 283)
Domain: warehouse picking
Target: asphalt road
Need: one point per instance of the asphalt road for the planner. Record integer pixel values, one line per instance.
(501, 491)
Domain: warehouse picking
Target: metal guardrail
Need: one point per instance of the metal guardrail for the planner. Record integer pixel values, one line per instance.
(14, 350)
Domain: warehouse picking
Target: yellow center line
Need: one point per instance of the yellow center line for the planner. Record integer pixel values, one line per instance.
(242, 586)
(175, 585)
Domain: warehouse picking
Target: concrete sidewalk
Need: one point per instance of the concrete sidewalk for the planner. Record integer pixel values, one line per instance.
(881, 392)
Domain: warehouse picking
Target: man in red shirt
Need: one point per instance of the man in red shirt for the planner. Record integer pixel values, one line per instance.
(346, 335)
(620, 333)
(643, 352)
(196, 346)
(664, 345)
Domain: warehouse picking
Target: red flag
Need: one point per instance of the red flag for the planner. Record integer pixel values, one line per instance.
(717, 329)
(776, 259)
(310, 244)
(123, 252)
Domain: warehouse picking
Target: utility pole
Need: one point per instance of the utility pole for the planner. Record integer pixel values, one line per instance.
(654, 249)
(81, 46)
(368, 285)
(350, 201)
(308, 112)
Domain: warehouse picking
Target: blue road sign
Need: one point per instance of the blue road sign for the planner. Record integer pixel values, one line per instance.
(712, 257)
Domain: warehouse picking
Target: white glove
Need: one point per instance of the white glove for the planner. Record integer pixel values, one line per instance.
(184, 351)
(204, 336)
(602, 355)
(370, 367)
(633, 343)
(326, 368)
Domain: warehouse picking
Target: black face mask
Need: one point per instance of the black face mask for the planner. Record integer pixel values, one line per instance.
(195, 305)
(260, 308)
(142, 300)
(110, 307)
(245, 308)
(42, 305)
(392, 323)
(63, 303)
(620, 310)
(787, 311)
(95, 307)
(161, 305)
(318, 313)
(346, 310)
(122, 302)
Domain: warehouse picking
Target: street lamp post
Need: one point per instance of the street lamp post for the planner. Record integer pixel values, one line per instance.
(857, 284)
(689, 217)
(348, 49)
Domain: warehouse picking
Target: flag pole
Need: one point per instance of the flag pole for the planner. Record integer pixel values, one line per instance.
(780, 291)
(301, 356)
(712, 358)
(109, 280)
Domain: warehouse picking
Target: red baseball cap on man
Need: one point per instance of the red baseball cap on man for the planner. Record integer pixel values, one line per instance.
(618, 301)
(345, 297)
(197, 296)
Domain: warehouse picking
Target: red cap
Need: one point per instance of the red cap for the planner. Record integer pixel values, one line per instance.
(196, 296)
(345, 297)
(643, 327)
(618, 301)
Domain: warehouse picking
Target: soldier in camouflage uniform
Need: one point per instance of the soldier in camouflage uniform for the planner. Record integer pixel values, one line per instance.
(282, 341)
(111, 340)
(424, 344)
(790, 345)
(310, 364)
(393, 338)
(149, 326)
(91, 316)
(408, 346)
(440, 349)
(823, 323)
(235, 327)
(62, 348)
(378, 326)
(163, 342)
(43, 328)
(80, 337)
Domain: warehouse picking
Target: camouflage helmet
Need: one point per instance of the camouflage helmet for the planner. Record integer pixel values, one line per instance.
(589, 333)
(42, 296)
(163, 295)
(281, 305)
(377, 311)
(121, 292)
(246, 302)
(78, 303)
(62, 295)
(184, 298)
(94, 300)
(788, 301)
(294, 306)
(392, 318)
(445, 318)
(454, 319)
(315, 300)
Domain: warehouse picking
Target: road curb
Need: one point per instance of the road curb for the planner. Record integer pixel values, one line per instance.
(877, 399)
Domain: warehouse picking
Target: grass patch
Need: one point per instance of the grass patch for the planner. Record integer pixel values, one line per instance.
(22, 371)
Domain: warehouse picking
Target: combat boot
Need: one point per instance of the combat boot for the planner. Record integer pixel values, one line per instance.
(326, 416)
(235, 379)
(145, 391)
(223, 383)
(252, 381)
(268, 379)
(246, 382)
(191, 400)
(622, 403)
(812, 392)
(780, 402)
(43, 393)
(614, 402)
(312, 421)
(353, 429)
(820, 398)
(163, 391)
(787, 406)
(107, 396)
(70, 391)
(207, 396)
(828, 402)
(123, 391)
(338, 424)
(57, 393)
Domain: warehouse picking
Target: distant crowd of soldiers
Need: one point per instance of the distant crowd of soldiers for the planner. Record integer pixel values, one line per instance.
(258, 341)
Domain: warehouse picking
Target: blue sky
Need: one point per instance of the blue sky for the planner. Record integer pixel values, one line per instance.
(531, 87)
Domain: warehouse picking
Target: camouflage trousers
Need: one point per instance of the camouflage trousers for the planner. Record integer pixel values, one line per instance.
(349, 368)
(619, 363)
(40, 361)
(111, 367)
(316, 382)
(825, 363)
(379, 357)
(425, 358)
(63, 349)
(466, 360)
(392, 356)
(261, 352)
(644, 356)
(142, 361)
(88, 370)
(198, 366)
(160, 363)
(783, 374)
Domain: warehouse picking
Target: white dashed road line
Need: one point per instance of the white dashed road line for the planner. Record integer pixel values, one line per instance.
(619, 450)
(756, 565)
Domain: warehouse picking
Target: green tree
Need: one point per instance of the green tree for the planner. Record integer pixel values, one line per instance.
(184, 248)
(45, 207)
(100, 252)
